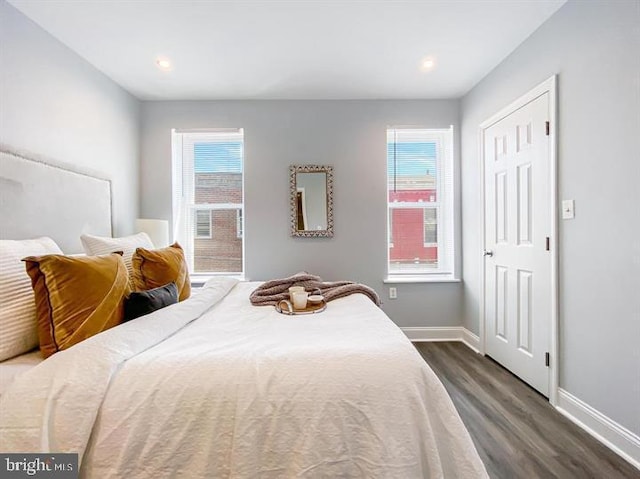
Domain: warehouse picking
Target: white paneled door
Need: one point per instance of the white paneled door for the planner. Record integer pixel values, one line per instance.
(518, 264)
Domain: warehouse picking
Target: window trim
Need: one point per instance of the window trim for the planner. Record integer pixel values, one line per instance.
(183, 188)
(422, 278)
(445, 194)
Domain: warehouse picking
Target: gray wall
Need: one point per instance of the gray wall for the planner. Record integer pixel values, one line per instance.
(594, 47)
(55, 104)
(351, 136)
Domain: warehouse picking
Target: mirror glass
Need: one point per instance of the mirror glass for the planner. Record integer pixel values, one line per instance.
(311, 200)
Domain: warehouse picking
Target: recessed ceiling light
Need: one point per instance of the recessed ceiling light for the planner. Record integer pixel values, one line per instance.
(428, 64)
(163, 64)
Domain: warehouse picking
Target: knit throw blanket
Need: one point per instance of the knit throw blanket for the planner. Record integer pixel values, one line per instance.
(274, 291)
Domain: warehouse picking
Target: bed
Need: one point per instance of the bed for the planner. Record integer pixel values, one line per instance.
(216, 387)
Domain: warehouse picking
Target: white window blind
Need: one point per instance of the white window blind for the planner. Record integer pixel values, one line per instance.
(208, 200)
(420, 201)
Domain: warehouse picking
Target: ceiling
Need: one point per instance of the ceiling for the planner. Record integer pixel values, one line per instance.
(305, 49)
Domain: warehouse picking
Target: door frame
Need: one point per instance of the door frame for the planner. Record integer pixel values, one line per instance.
(548, 86)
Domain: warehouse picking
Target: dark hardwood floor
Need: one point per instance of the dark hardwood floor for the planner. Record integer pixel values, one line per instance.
(516, 431)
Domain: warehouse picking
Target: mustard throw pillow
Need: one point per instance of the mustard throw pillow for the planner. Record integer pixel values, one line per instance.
(155, 268)
(76, 297)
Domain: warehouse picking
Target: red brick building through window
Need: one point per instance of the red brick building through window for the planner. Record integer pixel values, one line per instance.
(218, 232)
(413, 230)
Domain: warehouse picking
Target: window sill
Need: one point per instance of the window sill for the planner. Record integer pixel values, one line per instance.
(198, 280)
(432, 278)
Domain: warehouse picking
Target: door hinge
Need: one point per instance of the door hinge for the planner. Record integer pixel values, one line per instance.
(548, 244)
(547, 127)
(546, 359)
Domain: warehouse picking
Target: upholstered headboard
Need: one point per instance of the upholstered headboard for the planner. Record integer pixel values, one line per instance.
(39, 197)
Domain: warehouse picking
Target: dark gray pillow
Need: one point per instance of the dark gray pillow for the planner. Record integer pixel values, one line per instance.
(140, 303)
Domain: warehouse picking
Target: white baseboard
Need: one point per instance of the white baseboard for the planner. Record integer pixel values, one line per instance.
(610, 433)
(472, 340)
(437, 333)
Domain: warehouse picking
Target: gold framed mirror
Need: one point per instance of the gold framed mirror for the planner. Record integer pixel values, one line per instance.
(311, 200)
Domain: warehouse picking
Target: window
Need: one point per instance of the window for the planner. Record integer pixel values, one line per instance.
(430, 227)
(420, 201)
(208, 199)
(203, 224)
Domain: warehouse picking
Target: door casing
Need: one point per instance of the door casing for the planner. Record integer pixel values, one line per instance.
(550, 86)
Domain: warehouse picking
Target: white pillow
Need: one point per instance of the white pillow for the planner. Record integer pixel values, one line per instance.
(94, 245)
(17, 304)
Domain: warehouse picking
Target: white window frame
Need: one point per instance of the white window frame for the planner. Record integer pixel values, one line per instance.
(446, 270)
(184, 205)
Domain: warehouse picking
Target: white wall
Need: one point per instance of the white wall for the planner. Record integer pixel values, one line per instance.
(594, 47)
(55, 104)
(351, 136)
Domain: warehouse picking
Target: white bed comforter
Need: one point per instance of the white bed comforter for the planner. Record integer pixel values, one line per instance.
(215, 387)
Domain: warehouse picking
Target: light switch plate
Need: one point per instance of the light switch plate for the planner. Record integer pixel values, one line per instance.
(568, 210)
(393, 293)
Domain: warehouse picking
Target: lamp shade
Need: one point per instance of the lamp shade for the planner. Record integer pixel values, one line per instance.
(158, 231)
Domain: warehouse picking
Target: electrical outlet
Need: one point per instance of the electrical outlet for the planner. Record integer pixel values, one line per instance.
(393, 293)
